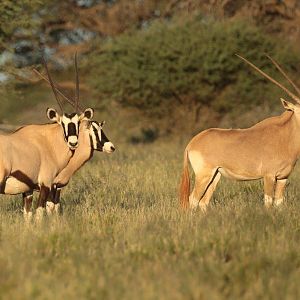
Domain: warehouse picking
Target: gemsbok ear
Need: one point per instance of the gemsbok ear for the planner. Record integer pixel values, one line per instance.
(53, 115)
(287, 105)
(87, 114)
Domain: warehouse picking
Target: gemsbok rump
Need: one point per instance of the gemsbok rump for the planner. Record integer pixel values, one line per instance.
(32, 156)
(267, 150)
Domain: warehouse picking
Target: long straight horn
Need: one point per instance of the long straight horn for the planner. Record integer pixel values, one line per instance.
(77, 84)
(293, 96)
(70, 101)
(283, 73)
(52, 85)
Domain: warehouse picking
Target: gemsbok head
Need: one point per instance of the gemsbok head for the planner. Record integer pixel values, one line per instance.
(99, 140)
(69, 121)
(268, 150)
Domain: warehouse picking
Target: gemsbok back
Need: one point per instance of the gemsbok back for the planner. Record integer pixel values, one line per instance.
(267, 150)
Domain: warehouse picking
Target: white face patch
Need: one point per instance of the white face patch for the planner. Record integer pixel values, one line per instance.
(70, 125)
(94, 133)
(108, 147)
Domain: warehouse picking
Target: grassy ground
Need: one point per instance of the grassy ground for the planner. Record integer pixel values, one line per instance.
(122, 236)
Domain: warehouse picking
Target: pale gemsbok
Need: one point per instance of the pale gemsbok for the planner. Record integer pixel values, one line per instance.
(91, 138)
(34, 155)
(267, 150)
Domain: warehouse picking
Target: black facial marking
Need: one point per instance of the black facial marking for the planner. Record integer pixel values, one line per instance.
(72, 129)
(70, 116)
(104, 138)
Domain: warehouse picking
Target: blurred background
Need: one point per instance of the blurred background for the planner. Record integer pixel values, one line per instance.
(153, 69)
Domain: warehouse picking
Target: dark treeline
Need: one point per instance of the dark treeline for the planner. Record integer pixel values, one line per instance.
(159, 58)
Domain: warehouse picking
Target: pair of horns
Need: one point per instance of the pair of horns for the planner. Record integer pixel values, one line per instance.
(56, 89)
(292, 95)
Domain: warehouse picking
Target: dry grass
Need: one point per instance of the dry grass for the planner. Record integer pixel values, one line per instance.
(122, 236)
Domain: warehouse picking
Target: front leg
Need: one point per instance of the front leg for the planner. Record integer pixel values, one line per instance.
(279, 191)
(53, 204)
(41, 204)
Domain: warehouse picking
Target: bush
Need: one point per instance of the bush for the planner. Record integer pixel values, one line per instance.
(189, 63)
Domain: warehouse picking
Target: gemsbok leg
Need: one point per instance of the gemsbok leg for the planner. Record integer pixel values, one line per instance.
(203, 180)
(279, 190)
(41, 204)
(53, 205)
(209, 191)
(269, 186)
(27, 206)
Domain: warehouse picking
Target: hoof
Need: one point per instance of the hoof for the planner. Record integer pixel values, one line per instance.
(27, 216)
(278, 202)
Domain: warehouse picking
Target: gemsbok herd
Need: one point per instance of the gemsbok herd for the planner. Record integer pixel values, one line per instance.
(44, 157)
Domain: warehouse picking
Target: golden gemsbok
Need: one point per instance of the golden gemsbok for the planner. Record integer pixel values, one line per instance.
(267, 150)
(34, 155)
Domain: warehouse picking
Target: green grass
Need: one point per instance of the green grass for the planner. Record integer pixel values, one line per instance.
(123, 236)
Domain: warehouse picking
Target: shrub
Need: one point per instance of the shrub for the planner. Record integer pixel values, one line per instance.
(189, 63)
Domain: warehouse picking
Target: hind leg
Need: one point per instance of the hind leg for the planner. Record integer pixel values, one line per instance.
(209, 192)
(202, 181)
(269, 186)
(27, 206)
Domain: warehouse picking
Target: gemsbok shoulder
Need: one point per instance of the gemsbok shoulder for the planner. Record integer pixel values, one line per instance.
(268, 150)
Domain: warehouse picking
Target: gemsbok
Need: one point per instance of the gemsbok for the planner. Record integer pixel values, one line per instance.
(91, 138)
(34, 155)
(268, 150)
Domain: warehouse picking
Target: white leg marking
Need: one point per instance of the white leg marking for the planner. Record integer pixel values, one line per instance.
(193, 202)
(279, 201)
(27, 216)
(57, 208)
(268, 201)
(39, 213)
(50, 207)
(203, 207)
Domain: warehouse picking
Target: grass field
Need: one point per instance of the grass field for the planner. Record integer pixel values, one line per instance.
(123, 236)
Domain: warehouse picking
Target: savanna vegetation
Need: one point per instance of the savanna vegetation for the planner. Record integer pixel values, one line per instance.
(123, 236)
(157, 72)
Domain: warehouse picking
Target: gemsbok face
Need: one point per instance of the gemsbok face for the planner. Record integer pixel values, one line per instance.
(70, 124)
(99, 140)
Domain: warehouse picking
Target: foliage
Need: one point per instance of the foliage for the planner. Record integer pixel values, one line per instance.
(17, 15)
(190, 62)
